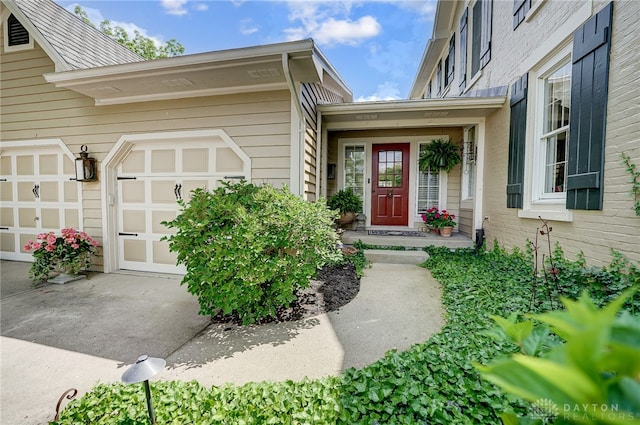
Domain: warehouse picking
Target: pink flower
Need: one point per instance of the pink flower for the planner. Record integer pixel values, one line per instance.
(36, 246)
(50, 248)
(75, 246)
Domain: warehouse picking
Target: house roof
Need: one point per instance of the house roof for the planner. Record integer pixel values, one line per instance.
(249, 69)
(442, 23)
(68, 40)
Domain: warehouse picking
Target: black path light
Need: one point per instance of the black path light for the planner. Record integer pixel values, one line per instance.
(142, 370)
(86, 167)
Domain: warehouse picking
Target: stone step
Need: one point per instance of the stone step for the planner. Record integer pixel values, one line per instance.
(395, 256)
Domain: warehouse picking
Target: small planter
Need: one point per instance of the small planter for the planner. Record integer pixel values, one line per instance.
(347, 218)
(445, 232)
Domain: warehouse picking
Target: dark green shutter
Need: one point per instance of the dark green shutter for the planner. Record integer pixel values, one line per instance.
(587, 122)
(517, 142)
(520, 9)
(463, 51)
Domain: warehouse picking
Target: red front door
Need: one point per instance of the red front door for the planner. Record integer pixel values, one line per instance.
(390, 186)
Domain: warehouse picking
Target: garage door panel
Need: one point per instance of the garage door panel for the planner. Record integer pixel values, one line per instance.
(162, 255)
(133, 163)
(8, 242)
(48, 164)
(24, 238)
(6, 191)
(70, 192)
(51, 218)
(68, 166)
(5, 166)
(49, 192)
(164, 191)
(158, 217)
(25, 165)
(190, 185)
(27, 217)
(71, 218)
(227, 160)
(163, 161)
(132, 191)
(134, 250)
(26, 191)
(134, 221)
(6, 217)
(195, 160)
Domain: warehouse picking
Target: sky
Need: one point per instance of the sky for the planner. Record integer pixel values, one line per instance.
(375, 46)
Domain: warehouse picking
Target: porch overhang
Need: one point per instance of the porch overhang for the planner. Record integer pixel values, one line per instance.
(408, 113)
(242, 70)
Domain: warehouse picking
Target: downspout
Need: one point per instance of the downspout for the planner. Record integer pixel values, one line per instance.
(297, 149)
(320, 172)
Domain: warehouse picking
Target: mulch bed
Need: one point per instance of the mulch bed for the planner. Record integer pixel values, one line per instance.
(334, 287)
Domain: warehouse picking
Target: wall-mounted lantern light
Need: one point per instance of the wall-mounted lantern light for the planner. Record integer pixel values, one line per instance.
(86, 168)
(141, 371)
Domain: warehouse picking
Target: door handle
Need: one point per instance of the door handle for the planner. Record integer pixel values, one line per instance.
(390, 194)
(176, 191)
(36, 190)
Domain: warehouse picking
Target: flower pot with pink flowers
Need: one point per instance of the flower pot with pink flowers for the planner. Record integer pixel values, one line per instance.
(67, 254)
(442, 221)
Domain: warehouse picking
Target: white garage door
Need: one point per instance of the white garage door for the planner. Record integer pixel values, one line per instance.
(37, 195)
(151, 179)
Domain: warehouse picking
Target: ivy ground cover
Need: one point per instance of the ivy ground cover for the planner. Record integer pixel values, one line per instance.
(431, 383)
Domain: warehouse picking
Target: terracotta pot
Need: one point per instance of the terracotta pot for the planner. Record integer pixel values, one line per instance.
(445, 232)
(347, 218)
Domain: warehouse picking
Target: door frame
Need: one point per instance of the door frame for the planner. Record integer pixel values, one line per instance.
(368, 142)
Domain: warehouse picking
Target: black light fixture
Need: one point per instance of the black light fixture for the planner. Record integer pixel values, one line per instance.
(86, 168)
(141, 371)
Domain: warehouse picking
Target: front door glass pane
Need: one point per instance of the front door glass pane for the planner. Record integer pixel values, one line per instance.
(390, 169)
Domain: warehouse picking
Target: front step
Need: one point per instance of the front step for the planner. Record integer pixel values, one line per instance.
(395, 256)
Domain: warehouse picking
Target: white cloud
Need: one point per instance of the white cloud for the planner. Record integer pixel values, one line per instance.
(174, 7)
(248, 27)
(385, 91)
(329, 23)
(201, 7)
(426, 8)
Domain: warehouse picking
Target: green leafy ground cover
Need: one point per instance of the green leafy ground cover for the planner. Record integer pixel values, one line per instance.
(431, 383)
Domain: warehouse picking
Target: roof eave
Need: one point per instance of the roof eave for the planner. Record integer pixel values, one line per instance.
(451, 103)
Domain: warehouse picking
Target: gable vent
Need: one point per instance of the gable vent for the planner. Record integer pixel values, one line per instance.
(18, 35)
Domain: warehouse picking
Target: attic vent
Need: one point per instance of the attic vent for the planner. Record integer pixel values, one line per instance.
(18, 35)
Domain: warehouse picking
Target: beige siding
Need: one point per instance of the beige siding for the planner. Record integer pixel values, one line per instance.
(311, 95)
(593, 232)
(32, 109)
(465, 222)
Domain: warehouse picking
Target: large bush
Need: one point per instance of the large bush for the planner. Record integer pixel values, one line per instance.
(248, 248)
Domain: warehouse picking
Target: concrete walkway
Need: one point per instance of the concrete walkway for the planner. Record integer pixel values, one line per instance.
(56, 337)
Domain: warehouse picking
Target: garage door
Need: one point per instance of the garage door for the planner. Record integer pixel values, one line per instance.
(37, 195)
(151, 179)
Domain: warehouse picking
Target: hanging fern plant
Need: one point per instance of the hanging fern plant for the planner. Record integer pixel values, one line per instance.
(438, 155)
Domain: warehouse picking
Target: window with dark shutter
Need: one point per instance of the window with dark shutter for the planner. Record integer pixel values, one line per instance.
(485, 44)
(439, 79)
(517, 143)
(589, 88)
(449, 62)
(476, 26)
(520, 9)
(463, 51)
(17, 34)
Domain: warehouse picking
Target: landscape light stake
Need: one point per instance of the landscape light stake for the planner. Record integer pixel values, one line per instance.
(141, 371)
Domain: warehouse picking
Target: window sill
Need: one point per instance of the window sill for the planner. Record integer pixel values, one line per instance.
(534, 9)
(473, 81)
(564, 215)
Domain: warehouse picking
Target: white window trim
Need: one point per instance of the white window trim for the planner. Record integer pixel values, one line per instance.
(550, 207)
(466, 199)
(367, 167)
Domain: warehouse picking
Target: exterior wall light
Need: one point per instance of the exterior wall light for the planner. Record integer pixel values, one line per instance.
(86, 168)
(141, 371)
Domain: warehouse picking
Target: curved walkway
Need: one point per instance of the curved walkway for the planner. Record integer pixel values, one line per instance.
(60, 336)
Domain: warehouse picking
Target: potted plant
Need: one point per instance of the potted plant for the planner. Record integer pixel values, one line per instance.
(346, 203)
(68, 254)
(438, 155)
(429, 217)
(445, 222)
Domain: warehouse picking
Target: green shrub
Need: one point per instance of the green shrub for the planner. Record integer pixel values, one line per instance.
(345, 201)
(248, 248)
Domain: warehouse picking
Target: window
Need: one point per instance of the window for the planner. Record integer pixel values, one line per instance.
(480, 35)
(568, 100)
(428, 189)
(428, 95)
(556, 102)
(469, 164)
(354, 166)
(463, 51)
(449, 62)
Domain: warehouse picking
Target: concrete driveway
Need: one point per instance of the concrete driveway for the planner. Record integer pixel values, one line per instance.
(56, 337)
